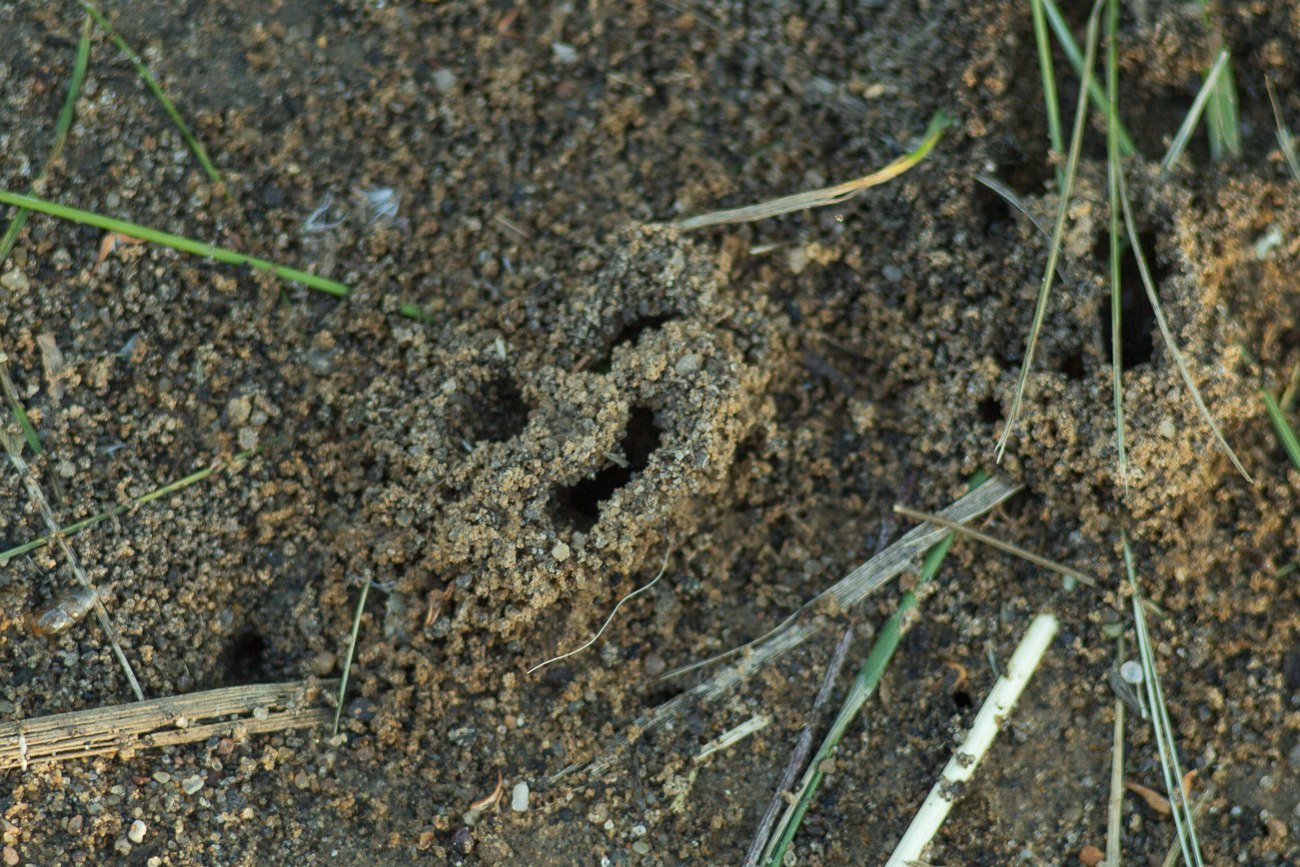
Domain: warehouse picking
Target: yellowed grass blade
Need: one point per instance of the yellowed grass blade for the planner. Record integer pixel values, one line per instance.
(826, 195)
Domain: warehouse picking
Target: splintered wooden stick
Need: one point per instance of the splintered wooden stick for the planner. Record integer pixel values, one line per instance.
(122, 729)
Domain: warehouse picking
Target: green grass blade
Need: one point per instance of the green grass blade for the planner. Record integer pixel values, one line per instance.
(170, 488)
(16, 407)
(1284, 140)
(1179, 803)
(19, 220)
(1058, 231)
(195, 146)
(1158, 309)
(882, 651)
(1052, 107)
(1223, 121)
(1071, 49)
(1184, 134)
(176, 242)
(1285, 434)
(1116, 248)
(60, 136)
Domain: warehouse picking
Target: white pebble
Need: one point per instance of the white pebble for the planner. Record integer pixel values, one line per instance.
(137, 831)
(192, 784)
(564, 52)
(15, 281)
(519, 798)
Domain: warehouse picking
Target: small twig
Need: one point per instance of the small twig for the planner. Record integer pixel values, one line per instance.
(803, 746)
(996, 708)
(608, 619)
(1037, 560)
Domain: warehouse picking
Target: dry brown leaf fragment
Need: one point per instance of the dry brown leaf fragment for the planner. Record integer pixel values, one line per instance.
(110, 242)
(1154, 799)
(492, 799)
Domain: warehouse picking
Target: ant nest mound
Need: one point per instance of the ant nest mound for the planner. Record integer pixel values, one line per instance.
(551, 454)
(1067, 446)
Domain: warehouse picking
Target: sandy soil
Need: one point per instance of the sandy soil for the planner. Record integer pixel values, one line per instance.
(591, 395)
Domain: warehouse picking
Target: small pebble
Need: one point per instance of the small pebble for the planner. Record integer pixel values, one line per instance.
(641, 847)
(11, 855)
(137, 831)
(238, 409)
(444, 80)
(1131, 671)
(323, 663)
(519, 798)
(261, 713)
(560, 552)
(463, 841)
(564, 52)
(162, 776)
(191, 785)
(15, 281)
(654, 665)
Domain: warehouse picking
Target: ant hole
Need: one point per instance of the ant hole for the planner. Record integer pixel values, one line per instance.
(579, 504)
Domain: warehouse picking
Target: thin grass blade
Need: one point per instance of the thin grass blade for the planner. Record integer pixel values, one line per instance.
(176, 242)
(61, 127)
(1184, 134)
(1285, 434)
(824, 196)
(1171, 767)
(352, 649)
(1116, 248)
(170, 488)
(195, 146)
(1043, 44)
(1284, 140)
(1066, 40)
(1158, 309)
(1058, 231)
(60, 136)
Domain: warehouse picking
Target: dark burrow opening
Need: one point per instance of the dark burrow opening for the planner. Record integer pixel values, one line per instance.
(499, 412)
(245, 659)
(1137, 319)
(578, 505)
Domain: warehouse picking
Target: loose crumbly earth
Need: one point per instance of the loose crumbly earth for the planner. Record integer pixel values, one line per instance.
(590, 395)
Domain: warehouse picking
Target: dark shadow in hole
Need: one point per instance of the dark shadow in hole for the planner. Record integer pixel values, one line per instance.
(629, 333)
(1137, 319)
(990, 409)
(245, 659)
(500, 411)
(578, 505)
(962, 700)
(1072, 364)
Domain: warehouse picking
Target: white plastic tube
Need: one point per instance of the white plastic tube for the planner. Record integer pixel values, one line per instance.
(1000, 702)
